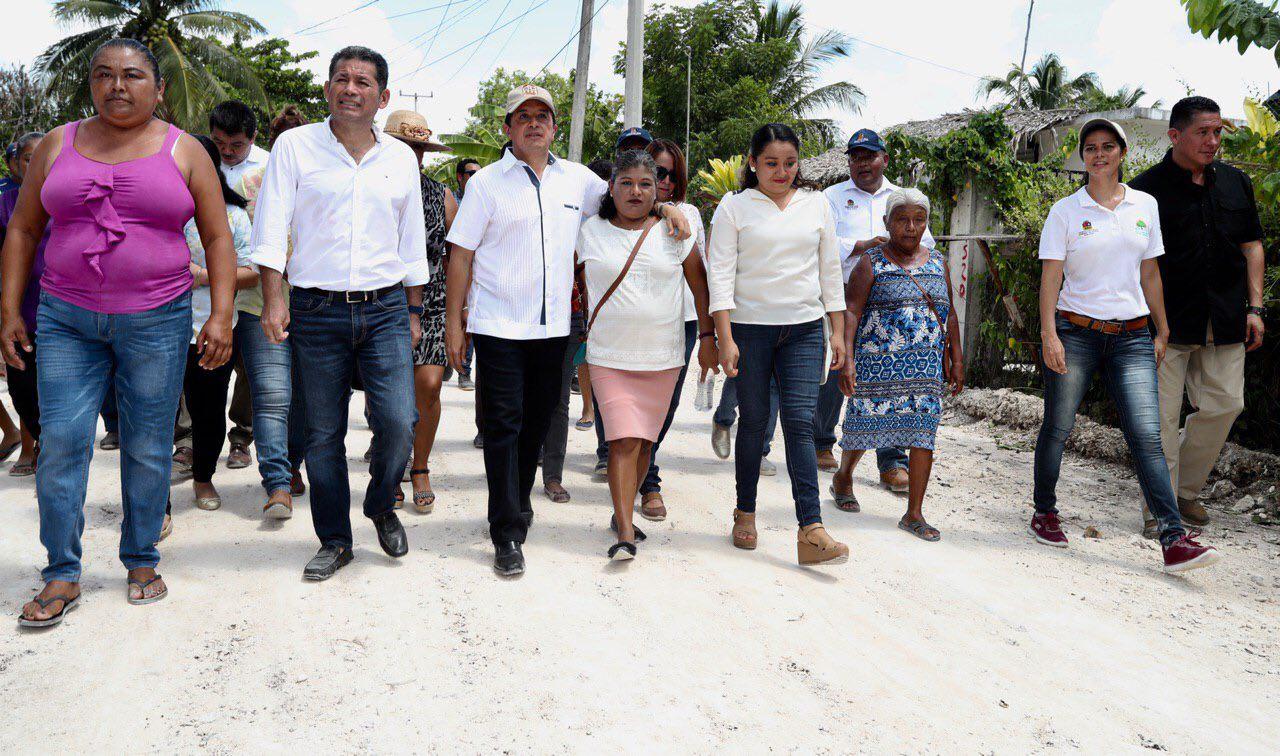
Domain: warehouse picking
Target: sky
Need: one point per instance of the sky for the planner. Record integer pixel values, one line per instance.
(913, 60)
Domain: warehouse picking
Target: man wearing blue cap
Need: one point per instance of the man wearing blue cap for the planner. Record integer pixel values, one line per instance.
(858, 206)
(633, 138)
(11, 160)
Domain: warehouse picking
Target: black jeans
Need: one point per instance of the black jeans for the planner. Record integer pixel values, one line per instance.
(557, 442)
(23, 392)
(521, 387)
(206, 394)
(652, 481)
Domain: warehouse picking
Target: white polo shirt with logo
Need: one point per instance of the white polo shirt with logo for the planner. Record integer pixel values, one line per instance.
(859, 216)
(1102, 252)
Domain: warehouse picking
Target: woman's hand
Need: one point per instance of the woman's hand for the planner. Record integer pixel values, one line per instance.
(455, 341)
(848, 378)
(708, 357)
(214, 342)
(955, 374)
(729, 358)
(1055, 356)
(838, 356)
(1161, 344)
(676, 220)
(415, 330)
(14, 341)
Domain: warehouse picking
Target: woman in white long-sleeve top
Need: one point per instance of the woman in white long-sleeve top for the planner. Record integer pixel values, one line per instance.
(775, 280)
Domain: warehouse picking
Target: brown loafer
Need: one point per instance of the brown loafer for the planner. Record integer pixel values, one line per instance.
(279, 505)
(744, 529)
(652, 507)
(827, 461)
(896, 480)
(1193, 512)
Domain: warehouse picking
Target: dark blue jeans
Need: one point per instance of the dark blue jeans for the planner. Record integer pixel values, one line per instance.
(1128, 367)
(726, 413)
(830, 402)
(80, 351)
(653, 481)
(331, 339)
(792, 355)
(279, 417)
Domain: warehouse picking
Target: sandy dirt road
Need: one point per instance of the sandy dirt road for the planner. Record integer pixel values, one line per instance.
(985, 642)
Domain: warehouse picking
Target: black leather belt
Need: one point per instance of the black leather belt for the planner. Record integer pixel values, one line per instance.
(352, 297)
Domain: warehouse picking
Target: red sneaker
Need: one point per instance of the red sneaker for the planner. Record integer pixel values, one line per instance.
(1186, 554)
(1047, 529)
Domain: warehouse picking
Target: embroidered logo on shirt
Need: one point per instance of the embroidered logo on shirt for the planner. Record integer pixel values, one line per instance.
(1087, 229)
(1143, 229)
(573, 207)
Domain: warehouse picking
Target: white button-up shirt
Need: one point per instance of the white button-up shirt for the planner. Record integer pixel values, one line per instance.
(860, 216)
(772, 266)
(1102, 252)
(355, 226)
(523, 231)
(257, 158)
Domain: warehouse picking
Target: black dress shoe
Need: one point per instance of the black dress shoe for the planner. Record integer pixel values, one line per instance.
(391, 535)
(328, 560)
(613, 525)
(478, 441)
(508, 559)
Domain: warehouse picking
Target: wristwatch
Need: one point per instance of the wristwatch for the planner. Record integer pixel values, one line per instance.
(1259, 311)
(416, 309)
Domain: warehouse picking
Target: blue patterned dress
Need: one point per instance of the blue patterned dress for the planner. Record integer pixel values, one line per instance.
(898, 358)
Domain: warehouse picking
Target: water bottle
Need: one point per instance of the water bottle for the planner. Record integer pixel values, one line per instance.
(705, 398)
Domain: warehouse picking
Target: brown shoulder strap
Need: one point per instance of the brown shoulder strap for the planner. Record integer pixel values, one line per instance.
(927, 298)
(618, 281)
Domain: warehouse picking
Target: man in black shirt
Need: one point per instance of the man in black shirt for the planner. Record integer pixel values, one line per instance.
(1212, 275)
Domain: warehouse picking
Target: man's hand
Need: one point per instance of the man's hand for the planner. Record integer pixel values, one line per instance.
(729, 358)
(415, 330)
(679, 223)
(848, 378)
(866, 244)
(275, 321)
(1055, 356)
(1255, 329)
(708, 357)
(14, 341)
(214, 342)
(1161, 345)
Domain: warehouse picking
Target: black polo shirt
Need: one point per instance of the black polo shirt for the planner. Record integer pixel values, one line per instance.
(1203, 268)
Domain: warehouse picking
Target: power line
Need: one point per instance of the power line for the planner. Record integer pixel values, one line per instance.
(460, 48)
(475, 50)
(574, 36)
(335, 18)
(510, 37)
(915, 58)
(413, 43)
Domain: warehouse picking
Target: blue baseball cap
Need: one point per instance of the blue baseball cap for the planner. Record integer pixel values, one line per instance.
(635, 132)
(865, 139)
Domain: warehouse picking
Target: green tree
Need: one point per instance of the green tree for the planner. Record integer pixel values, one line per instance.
(283, 81)
(1249, 23)
(750, 64)
(25, 106)
(1047, 85)
(1124, 97)
(185, 37)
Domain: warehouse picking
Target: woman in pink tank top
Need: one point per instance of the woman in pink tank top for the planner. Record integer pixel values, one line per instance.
(115, 191)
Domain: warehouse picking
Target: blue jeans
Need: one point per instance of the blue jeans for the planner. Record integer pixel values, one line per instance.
(830, 402)
(331, 339)
(80, 351)
(726, 413)
(792, 356)
(1128, 367)
(279, 419)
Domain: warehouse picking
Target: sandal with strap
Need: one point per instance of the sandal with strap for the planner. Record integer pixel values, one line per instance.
(921, 529)
(423, 501)
(845, 502)
(557, 497)
(142, 586)
(613, 525)
(22, 469)
(68, 603)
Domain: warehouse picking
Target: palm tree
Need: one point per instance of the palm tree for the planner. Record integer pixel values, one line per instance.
(183, 34)
(1124, 97)
(793, 84)
(1047, 86)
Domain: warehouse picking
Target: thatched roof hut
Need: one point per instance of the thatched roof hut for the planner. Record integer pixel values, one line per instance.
(832, 167)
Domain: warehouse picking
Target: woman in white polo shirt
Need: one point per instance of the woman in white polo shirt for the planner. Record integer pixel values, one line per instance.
(1100, 293)
(775, 277)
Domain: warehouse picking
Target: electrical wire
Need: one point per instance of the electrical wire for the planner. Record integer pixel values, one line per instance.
(476, 49)
(573, 36)
(335, 18)
(460, 48)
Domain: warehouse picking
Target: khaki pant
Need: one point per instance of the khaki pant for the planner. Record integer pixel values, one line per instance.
(1213, 378)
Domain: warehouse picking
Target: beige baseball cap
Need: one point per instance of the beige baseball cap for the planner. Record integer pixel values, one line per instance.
(525, 92)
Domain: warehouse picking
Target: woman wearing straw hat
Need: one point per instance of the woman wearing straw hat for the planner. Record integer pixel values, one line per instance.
(429, 358)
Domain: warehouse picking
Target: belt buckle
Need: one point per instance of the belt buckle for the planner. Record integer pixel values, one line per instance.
(354, 297)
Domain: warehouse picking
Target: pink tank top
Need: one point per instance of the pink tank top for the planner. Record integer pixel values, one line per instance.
(115, 241)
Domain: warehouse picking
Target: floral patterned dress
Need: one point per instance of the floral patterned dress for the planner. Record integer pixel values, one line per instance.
(898, 353)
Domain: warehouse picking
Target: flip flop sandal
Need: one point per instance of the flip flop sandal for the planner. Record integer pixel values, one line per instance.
(584, 425)
(921, 529)
(67, 605)
(7, 451)
(845, 502)
(142, 586)
(613, 525)
(423, 501)
(22, 469)
(622, 551)
(559, 497)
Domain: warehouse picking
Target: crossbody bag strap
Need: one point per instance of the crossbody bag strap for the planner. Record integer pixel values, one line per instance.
(927, 298)
(618, 281)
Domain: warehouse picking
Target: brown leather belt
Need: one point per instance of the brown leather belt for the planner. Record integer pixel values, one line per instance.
(1110, 327)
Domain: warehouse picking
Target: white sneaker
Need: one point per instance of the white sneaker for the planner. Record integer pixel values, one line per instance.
(767, 468)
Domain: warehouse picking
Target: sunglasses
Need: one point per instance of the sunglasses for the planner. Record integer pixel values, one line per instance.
(664, 174)
(469, 173)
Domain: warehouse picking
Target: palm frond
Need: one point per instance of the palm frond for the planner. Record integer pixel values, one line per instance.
(219, 22)
(841, 95)
(93, 11)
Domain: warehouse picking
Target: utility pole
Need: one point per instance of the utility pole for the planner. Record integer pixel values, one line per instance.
(1025, 41)
(688, 95)
(417, 96)
(579, 112)
(633, 107)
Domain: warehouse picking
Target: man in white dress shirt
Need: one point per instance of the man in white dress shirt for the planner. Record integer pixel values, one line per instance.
(351, 200)
(513, 253)
(858, 206)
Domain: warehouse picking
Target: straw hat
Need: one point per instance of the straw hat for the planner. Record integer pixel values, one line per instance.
(409, 126)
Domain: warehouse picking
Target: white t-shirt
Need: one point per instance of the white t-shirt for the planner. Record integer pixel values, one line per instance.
(1103, 252)
(640, 327)
(700, 236)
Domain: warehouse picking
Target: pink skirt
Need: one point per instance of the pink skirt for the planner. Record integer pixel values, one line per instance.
(633, 403)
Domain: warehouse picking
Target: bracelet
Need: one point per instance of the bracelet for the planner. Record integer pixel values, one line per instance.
(706, 334)
(416, 309)
(1259, 311)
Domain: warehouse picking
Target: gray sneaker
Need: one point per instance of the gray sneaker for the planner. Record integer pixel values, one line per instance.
(720, 440)
(767, 468)
(465, 383)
